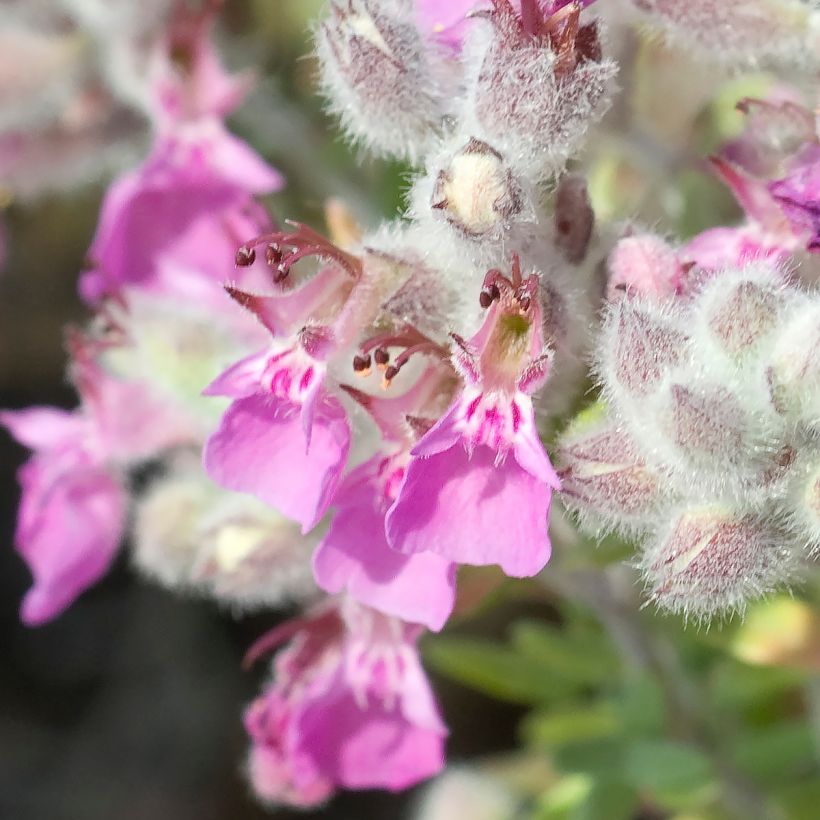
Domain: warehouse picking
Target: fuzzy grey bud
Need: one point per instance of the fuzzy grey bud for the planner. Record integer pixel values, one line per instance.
(714, 558)
(378, 76)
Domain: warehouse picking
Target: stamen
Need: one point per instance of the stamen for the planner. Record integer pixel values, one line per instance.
(361, 365)
(245, 257)
(285, 249)
(381, 356)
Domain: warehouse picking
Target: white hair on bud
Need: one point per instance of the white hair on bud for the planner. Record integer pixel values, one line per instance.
(517, 97)
(715, 558)
(192, 535)
(719, 393)
(380, 77)
(741, 33)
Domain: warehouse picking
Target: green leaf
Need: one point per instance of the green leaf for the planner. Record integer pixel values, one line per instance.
(775, 754)
(739, 688)
(801, 801)
(607, 799)
(571, 724)
(641, 706)
(496, 670)
(674, 774)
(602, 758)
(581, 658)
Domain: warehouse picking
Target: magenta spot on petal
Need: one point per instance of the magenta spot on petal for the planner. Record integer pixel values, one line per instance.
(307, 378)
(280, 383)
(516, 417)
(471, 407)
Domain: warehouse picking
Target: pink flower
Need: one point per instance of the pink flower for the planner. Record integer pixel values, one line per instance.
(354, 556)
(798, 194)
(285, 438)
(766, 233)
(72, 514)
(175, 221)
(350, 706)
(478, 487)
(72, 511)
(172, 225)
(445, 22)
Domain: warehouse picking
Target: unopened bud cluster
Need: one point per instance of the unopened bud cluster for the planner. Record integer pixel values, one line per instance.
(705, 444)
(485, 117)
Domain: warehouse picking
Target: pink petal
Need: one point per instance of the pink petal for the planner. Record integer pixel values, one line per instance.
(354, 556)
(241, 379)
(259, 449)
(529, 449)
(41, 428)
(441, 436)
(370, 746)
(238, 164)
(472, 511)
(69, 529)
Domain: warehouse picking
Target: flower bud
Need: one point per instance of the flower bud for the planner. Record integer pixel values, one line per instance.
(477, 193)
(743, 32)
(466, 792)
(189, 534)
(741, 310)
(804, 504)
(251, 556)
(639, 347)
(165, 544)
(644, 265)
(708, 424)
(604, 475)
(574, 218)
(713, 559)
(793, 373)
(541, 83)
(378, 77)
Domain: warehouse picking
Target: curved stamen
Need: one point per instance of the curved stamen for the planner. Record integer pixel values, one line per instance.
(303, 242)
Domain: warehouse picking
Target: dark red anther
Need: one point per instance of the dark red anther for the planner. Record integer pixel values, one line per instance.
(361, 363)
(381, 356)
(245, 257)
(274, 255)
(489, 295)
(525, 301)
(390, 374)
(281, 273)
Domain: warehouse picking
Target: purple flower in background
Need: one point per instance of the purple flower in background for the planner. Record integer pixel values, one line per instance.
(798, 194)
(72, 510)
(173, 224)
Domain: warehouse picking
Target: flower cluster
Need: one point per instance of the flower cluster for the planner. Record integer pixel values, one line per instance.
(363, 412)
(160, 327)
(705, 445)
